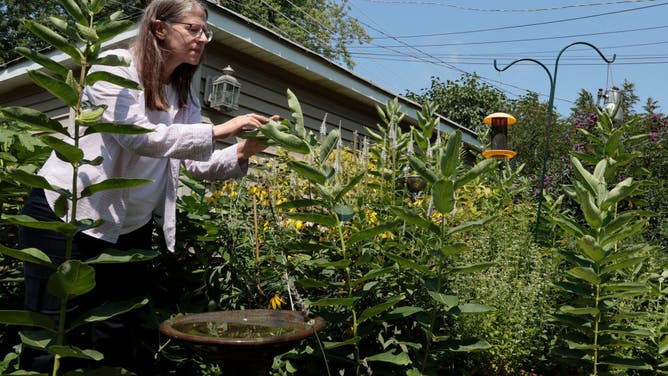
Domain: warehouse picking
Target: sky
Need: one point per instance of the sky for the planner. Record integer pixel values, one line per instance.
(417, 40)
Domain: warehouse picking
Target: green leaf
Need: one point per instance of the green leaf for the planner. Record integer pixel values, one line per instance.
(408, 264)
(373, 274)
(471, 268)
(66, 152)
(620, 192)
(591, 248)
(96, 76)
(351, 184)
(625, 363)
(477, 170)
(297, 115)
(622, 264)
(115, 128)
(115, 256)
(90, 116)
(113, 183)
(72, 278)
(413, 218)
(112, 60)
(43, 60)
(328, 145)
(109, 30)
(32, 255)
(38, 120)
(585, 274)
(405, 311)
(588, 180)
(469, 224)
(579, 311)
(56, 86)
(330, 302)
(308, 172)
(471, 308)
(31, 180)
(54, 39)
(27, 318)
(74, 352)
(379, 308)
(349, 342)
(467, 345)
(450, 155)
(448, 301)
(401, 359)
(443, 195)
(74, 11)
(65, 228)
(108, 311)
(372, 232)
(422, 169)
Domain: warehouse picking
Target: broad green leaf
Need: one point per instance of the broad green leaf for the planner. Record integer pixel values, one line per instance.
(585, 274)
(569, 226)
(43, 60)
(26, 318)
(108, 311)
(96, 76)
(401, 359)
(588, 180)
(379, 308)
(471, 308)
(471, 268)
(308, 172)
(373, 274)
(580, 311)
(477, 170)
(469, 224)
(447, 300)
(114, 128)
(74, 352)
(467, 345)
(620, 192)
(38, 120)
(113, 60)
(66, 152)
(622, 264)
(453, 249)
(38, 338)
(625, 363)
(348, 342)
(72, 8)
(56, 86)
(32, 255)
(413, 218)
(90, 116)
(115, 256)
(450, 155)
(422, 169)
(24, 220)
(54, 39)
(443, 195)
(113, 183)
(372, 232)
(72, 278)
(405, 311)
(96, 6)
(591, 212)
(328, 145)
(109, 30)
(336, 302)
(591, 248)
(297, 115)
(321, 219)
(407, 264)
(351, 184)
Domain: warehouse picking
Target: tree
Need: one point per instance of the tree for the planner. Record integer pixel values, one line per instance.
(320, 25)
(466, 100)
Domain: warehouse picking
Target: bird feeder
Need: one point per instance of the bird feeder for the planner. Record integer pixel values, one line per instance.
(224, 91)
(612, 101)
(499, 123)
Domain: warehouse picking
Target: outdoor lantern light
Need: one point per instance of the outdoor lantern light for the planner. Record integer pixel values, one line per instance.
(499, 122)
(611, 99)
(224, 91)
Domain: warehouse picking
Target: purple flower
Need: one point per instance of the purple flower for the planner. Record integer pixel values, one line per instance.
(653, 135)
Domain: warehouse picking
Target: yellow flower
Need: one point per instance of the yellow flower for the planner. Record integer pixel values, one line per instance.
(387, 235)
(276, 301)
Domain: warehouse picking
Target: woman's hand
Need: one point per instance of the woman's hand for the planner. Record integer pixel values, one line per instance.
(248, 148)
(238, 124)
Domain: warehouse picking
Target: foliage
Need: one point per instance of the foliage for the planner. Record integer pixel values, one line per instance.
(599, 274)
(322, 26)
(73, 277)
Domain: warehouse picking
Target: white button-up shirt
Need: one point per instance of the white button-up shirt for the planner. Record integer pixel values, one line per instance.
(179, 138)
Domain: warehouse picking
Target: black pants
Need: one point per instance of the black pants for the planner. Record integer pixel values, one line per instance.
(114, 282)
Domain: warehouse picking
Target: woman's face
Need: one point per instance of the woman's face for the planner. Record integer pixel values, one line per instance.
(183, 40)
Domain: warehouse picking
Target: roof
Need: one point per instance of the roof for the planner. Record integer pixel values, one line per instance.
(253, 39)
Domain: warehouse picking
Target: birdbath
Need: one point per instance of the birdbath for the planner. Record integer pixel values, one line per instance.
(243, 342)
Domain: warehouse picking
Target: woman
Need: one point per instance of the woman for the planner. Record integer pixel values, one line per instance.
(171, 39)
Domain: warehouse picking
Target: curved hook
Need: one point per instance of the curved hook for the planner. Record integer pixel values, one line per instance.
(525, 59)
(614, 56)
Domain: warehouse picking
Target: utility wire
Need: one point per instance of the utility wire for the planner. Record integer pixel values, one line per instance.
(408, 2)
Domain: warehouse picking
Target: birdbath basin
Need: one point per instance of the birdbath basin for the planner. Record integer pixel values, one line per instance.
(243, 342)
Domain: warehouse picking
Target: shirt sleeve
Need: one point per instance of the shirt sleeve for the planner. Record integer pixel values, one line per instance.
(126, 106)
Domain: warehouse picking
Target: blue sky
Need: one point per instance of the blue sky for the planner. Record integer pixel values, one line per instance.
(415, 40)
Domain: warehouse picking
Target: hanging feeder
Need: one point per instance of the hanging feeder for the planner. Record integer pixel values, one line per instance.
(224, 91)
(612, 100)
(499, 122)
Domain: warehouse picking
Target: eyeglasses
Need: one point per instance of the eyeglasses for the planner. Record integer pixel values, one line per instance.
(195, 31)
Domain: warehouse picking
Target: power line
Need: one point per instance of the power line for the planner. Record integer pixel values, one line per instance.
(525, 25)
(409, 2)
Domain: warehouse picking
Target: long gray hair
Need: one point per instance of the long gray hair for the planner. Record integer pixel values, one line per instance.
(149, 54)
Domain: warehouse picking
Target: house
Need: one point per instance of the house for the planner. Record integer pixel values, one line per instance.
(266, 65)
